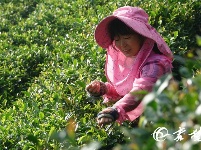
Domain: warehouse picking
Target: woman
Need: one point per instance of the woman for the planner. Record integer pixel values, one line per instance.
(136, 57)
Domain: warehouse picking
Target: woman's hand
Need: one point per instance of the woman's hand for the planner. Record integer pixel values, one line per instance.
(96, 88)
(104, 121)
(107, 116)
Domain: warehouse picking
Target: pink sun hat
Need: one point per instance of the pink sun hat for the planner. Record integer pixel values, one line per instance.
(137, 19)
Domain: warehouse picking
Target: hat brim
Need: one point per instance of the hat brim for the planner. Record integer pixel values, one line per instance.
(102, 36)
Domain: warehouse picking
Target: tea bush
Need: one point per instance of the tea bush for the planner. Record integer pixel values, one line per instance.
(48, 55)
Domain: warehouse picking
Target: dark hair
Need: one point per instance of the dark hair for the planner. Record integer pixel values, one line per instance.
(117, 27)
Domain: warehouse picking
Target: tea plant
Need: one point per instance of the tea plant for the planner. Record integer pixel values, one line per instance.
(48, 55)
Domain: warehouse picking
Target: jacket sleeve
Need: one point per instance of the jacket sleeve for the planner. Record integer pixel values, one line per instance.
(130, 107)
(111, 95)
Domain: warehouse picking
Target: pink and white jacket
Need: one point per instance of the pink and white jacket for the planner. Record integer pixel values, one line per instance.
(127, 75)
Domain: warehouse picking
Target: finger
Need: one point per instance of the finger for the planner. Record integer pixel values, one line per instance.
(110, 120)
(91, 84)
(92, 89)
(95, 83)
(88, 87)
(100, 122)
(106, 110)
(104, 121)
(107, 120)
(95, 89)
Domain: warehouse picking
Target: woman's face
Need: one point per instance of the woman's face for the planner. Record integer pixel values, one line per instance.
(130, 44)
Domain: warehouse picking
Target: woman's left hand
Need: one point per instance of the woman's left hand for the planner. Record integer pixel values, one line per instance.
(109, 115)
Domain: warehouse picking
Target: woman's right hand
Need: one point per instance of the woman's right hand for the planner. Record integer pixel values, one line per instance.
(96, 88)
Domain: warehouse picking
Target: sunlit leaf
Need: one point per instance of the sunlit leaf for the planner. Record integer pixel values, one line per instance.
(198, 39)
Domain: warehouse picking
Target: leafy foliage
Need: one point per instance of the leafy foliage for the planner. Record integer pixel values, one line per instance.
(48, 55)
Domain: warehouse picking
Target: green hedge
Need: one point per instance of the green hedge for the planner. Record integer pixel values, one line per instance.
(48, 55)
